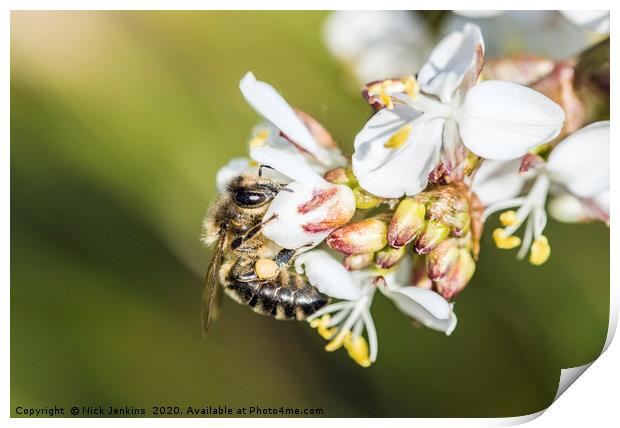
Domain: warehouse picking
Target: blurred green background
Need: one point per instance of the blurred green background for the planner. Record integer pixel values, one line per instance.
(119, 122)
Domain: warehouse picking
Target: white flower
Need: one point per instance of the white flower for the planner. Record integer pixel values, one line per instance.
(343, 323)
(402, 143)
(537, 32)
(597, 20)
(234, 168)
(377, 43)
(287, 128)
(577, 169)
(308, 208)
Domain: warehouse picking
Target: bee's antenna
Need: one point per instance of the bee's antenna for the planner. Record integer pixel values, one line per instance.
(260, 169)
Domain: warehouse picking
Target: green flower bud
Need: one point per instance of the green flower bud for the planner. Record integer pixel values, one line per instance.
(441, 260)
(458, 277)
(389, 256)
(431, 236)
(407, 222)
(364, 200)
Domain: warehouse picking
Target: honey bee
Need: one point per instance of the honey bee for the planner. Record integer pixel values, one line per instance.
(246, 263)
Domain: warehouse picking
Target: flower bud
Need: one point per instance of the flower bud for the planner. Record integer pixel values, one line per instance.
(441, 260)
(523, 69)
(460, 223)
(362, 237)
(358, 261)
(389, 256)
(559, 85)
(364, 200)
(407, 222)
(458, 276)
(337, 176)
(431, 236)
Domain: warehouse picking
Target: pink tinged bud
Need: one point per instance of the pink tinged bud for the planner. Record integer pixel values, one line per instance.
(459, 222)
(440, 261)
(431, 236)
(358, 261)
(420, 275)
(320, 134)
(523, 69)
(362, 237)
(389, 256)
(559, 85)
(530, 161)
(337, 176)
(458, 277)
(407, 222)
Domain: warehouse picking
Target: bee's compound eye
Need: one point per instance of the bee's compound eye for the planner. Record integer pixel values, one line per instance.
(249, 199)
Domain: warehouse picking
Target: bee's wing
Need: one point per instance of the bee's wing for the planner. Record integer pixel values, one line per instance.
(211, 299)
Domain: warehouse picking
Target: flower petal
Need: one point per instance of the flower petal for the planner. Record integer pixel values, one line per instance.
(602, 202)
(328, 275)
(597, 20)
(498, 180)
(503, 120)
(568, 208)
(456, 59)
(581, 161)
(426, 306)
(288, 164)
(302, 216)
(478, 13)
(234, 168)
(272, 106)
(391, 170)
(331, 150)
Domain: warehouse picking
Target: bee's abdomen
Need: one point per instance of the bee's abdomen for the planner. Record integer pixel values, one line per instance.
(288, 296)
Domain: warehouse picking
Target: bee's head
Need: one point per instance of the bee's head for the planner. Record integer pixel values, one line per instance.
(248, 191)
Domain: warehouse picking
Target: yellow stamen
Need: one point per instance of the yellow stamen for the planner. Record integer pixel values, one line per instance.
(357, 348)
(398, 138)
(505, 242)
(259, 139)
(540, 251)
(253, 163)
(386, 100)
(321, 325)
(411, 86)
(508, 218)
(337, 342)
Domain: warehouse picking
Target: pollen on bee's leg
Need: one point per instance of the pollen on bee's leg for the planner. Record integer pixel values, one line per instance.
(508, 218)
(266, 268)
(505, 242)
(540, 251)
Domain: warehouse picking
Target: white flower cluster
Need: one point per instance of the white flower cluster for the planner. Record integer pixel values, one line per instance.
(443, 151)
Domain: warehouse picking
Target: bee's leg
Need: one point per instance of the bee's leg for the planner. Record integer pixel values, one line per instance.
(238, 241)
(285, 256)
